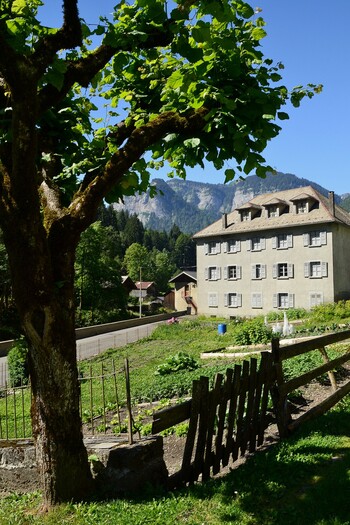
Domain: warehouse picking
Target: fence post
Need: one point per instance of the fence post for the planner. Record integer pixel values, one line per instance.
(280, 403)
(128, 400)
(331, 374)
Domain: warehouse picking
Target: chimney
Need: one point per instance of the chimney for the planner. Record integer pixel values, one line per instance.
(331, 202)
(224, 221)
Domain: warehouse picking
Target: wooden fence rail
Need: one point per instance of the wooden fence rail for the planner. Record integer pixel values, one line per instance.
(230, 419)
(224, 422)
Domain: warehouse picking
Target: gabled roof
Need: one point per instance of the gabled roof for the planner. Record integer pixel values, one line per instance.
(302, 197)
(144, 285)
(185, 276)
(320, 214)
(275, 201)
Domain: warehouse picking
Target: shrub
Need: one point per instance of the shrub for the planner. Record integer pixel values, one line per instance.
(17, 360)
(251, 333)
(180, 361)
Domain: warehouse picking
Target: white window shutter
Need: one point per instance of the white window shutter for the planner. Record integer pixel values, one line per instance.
(225, 247)
(323, 236)
(218, 247)
(206, 248)
(274, 271)
(274, 242)
(253, 274)
(306, 269)
(324, 269)
(306, 239)
(206, 273)
(239, 299)
(263, 271)
(254, 301)
(225, 299)
(290, 270)
(239, 272)
(274, 301)
(238, 246)
(225, 272)
(249, 244)
(218, 272)
(290, 241)
(263, 243)
(291, 300)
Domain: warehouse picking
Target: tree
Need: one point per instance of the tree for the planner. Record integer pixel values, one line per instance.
(184, 81)
(138, 257)
(97, 274)
(164, 269)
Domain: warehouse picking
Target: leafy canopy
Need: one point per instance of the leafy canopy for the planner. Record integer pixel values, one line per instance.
(183, 80)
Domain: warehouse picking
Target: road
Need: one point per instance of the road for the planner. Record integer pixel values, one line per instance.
(91, 346)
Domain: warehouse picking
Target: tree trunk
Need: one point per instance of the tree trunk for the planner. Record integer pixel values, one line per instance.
(60, 452)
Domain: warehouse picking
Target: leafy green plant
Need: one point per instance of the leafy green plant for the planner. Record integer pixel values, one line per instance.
(180, 361)
(17, 360)
(252, 332)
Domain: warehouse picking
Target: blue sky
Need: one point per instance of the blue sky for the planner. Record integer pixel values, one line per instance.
(310, 37)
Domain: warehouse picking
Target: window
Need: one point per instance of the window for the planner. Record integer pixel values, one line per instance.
(282, 241)
(315, 269)
(245, 215)
(315, 299)
(258, 271)
(283, 271)
(315, 238)
(213, 273)
(257, 300)
(283, 300)
(212, 248)
(213, 299)
(255, 244)
(232, 272)
(273, 211)
(233, 300)
(301, 206)
(233, 246)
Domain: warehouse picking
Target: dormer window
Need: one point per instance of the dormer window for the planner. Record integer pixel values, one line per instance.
(273, 211)
(245, 215)
(302, 206)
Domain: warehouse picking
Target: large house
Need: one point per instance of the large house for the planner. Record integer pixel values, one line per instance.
(277, 251)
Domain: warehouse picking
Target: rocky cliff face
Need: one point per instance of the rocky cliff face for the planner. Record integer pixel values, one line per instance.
(193, 205)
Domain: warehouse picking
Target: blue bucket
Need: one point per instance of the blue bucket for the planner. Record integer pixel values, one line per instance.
(221, 329)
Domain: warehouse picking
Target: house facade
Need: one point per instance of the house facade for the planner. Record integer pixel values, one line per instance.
(185, 285)
(277, 251)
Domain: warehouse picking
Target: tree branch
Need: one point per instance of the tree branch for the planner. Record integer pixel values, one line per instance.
(83, 71)
(68, 37)
(86, 201)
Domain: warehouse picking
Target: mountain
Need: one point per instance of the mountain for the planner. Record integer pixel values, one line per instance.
(193, 205)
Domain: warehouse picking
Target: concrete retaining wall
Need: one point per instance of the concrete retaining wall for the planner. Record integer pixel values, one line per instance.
(89, 331)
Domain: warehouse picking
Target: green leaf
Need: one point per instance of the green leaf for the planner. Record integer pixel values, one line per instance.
(229, 174)
(282, 115)
(258, 33)
(175, 80)
(192, 143)
(19, 7)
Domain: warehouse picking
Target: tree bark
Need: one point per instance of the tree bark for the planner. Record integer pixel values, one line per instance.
(60, 452)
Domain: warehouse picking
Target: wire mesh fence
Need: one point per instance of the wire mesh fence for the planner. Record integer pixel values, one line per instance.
(104, 405)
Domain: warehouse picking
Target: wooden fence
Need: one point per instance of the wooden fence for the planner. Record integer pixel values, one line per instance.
(230, 419)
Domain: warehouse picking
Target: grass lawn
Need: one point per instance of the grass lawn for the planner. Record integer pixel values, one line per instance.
(304, 480)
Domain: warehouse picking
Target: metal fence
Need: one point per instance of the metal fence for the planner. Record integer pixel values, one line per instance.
(105, 403)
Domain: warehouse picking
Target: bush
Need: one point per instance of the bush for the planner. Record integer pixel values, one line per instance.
(251, 333)
(17, 360)
(180, 361)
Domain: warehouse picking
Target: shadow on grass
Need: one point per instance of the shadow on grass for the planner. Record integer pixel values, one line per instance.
(302, 480)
